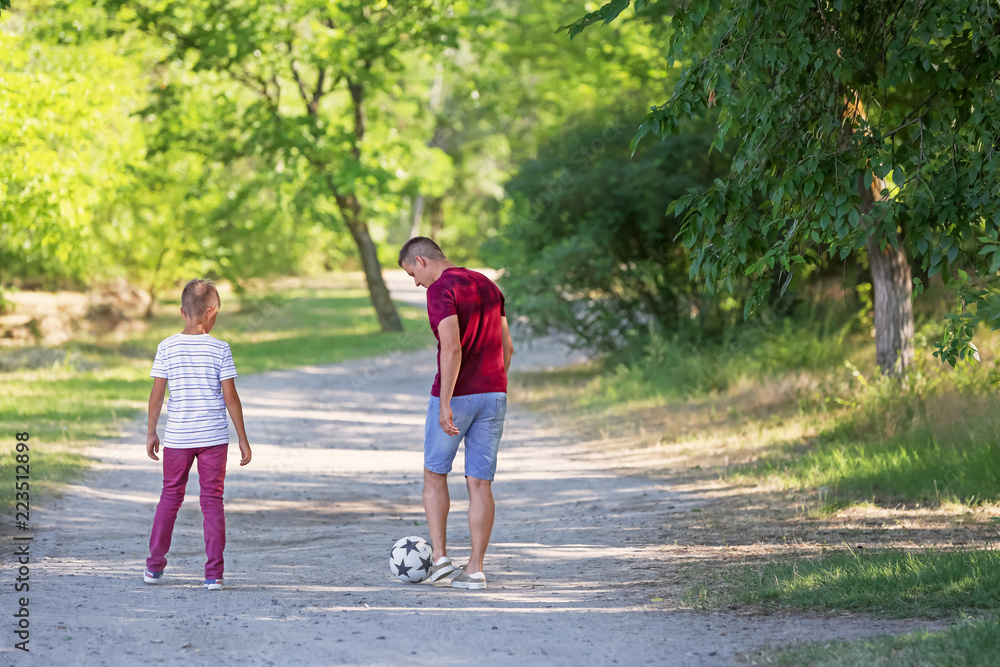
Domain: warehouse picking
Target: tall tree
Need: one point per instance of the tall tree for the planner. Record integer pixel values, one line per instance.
(312, 74)
(93, 190)
(510, 89)
(862, 125)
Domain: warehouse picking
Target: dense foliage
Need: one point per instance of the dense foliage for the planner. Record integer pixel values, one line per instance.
(87, 195)
(153, 141)
(587, 249)
(861, 125)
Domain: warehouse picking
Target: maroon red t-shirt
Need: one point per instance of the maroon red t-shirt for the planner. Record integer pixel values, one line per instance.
(479, 306)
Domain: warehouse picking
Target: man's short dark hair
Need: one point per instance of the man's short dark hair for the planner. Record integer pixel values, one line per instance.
(419, 246)
(198, 296)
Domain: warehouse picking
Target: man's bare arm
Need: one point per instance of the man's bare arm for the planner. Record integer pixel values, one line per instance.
(451, 361)
(508, 345)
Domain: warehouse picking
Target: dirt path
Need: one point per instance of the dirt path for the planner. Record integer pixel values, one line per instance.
(335, 481)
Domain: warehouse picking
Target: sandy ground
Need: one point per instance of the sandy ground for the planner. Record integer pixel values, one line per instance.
(573, 567)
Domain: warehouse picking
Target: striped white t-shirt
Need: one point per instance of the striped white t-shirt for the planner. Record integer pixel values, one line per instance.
(195, 366)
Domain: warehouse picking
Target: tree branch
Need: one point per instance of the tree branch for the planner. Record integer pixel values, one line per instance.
(318, 92)
(295, 74)
(277, 89)
(256, 84)
(357, 90)
(311, 100)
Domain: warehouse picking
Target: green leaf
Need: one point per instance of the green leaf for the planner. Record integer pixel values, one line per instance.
(719, 141)
(607, 14)
(643, 130)
(898, 177)
(698, 12)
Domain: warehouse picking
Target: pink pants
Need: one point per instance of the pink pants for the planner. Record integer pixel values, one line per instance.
(211, 475)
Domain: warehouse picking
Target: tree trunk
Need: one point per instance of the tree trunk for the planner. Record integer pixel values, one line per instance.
(418, 213)
(437, 217)
(152, 287)
(388, 318)
(892, 282)
(437, 141)
(152, 302)
(350, 207)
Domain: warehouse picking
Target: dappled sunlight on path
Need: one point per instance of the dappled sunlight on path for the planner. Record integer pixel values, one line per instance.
(574, 568)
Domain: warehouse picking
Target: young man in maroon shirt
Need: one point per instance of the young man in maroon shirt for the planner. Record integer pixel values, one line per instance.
(468, 399)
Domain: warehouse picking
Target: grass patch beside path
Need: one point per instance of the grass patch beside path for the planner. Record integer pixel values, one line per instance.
(790, 458)
(973, 643)
(85, 390)
(905, 470)
(47, 470)
(890, 583)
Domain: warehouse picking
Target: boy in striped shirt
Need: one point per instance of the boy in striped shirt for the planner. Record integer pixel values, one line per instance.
(200, 373)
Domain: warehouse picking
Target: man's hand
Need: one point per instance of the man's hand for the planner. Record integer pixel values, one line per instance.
(152, 446)
(245, 452)
(446, 420)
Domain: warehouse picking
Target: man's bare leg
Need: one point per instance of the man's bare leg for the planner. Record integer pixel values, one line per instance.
(437, 502)
(481, 513)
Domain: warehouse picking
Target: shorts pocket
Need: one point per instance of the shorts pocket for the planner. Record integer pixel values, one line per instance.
(499, 414)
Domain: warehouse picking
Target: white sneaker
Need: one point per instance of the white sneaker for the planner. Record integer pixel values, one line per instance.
(475, 581)
(441, 569)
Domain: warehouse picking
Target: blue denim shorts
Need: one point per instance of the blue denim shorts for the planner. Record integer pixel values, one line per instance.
(479, 419)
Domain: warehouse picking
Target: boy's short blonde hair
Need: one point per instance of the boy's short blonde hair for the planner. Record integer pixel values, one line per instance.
(198, 296)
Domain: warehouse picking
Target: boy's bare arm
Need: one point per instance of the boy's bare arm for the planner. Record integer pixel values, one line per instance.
(155, 405)
(235, 408)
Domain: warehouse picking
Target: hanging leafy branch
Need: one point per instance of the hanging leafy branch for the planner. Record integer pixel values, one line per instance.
(860, 125)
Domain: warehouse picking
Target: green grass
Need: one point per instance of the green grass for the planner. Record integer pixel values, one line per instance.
(794, 402)
(913, 469)
(47, 469)
(973, 643)
(862, 439)
(935, 441)
(84, 390)
(887, 583)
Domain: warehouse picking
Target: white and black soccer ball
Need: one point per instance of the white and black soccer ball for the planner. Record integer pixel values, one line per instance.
(410, 559)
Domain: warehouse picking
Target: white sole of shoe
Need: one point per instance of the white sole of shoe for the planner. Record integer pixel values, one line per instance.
(469, 585)
(214, 587)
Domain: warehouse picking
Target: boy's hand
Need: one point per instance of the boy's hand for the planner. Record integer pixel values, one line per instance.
(153, 446)
(245, 452)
